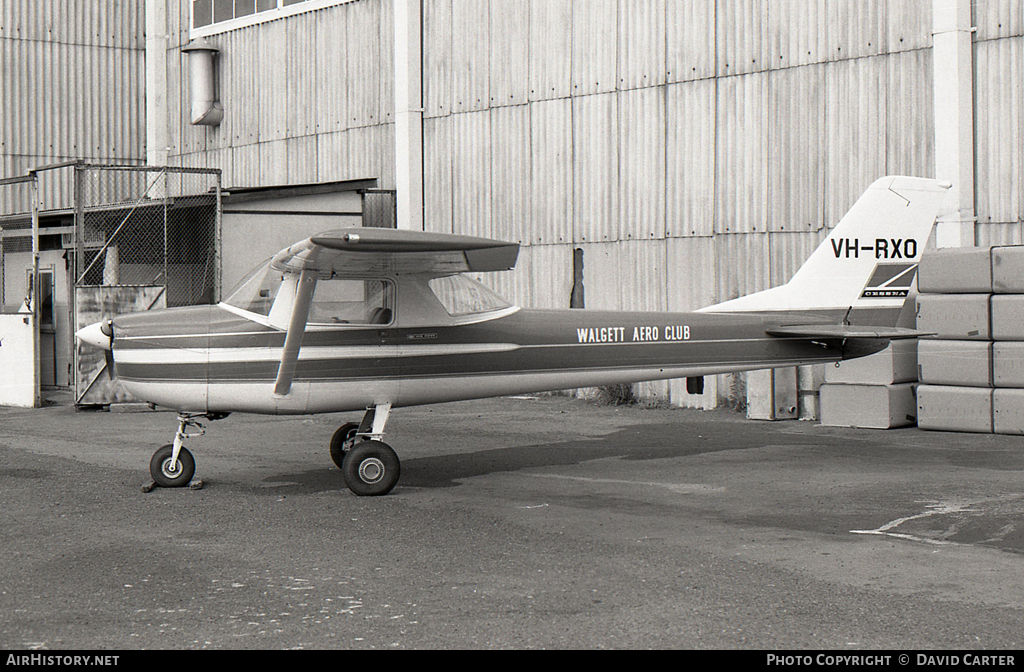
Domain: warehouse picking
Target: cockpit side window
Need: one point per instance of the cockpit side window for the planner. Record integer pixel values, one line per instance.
(352, 301)
(461, 295)
(256, 292)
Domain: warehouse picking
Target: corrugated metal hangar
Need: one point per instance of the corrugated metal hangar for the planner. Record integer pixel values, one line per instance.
(672, 153)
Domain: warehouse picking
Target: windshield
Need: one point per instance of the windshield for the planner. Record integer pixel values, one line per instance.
(256, 291)
(461, 295)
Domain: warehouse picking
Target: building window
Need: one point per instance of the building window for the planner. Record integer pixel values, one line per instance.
(217, 16)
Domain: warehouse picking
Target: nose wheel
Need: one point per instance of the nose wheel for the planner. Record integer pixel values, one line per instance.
(371, 467)
(172, 466)
(170, 473)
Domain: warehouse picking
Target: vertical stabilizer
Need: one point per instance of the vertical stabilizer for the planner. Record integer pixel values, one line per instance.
(869, 261)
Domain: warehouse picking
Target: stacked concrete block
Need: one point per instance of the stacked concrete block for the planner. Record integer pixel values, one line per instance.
(874, 392)
(972, 369)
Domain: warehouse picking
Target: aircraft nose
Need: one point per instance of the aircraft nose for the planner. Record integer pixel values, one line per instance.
(97, 334)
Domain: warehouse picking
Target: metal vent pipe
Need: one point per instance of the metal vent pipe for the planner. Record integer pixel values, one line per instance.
(206, 109)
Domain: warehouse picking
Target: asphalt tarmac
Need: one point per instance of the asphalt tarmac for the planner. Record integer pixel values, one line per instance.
(518, 523)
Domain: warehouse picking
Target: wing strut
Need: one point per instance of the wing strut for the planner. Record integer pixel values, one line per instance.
(296, 331)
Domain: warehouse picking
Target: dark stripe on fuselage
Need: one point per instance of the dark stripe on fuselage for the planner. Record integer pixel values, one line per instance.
(548, 340)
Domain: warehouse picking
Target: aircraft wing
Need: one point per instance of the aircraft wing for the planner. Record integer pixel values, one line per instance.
(362, 251)
(843, 331)
(359, 252)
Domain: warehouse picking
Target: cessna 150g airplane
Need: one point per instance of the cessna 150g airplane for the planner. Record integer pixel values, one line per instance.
(375, 319)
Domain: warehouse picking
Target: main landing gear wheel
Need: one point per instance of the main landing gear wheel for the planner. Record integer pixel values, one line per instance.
(169, 474)
(371, 468)
(342, 442)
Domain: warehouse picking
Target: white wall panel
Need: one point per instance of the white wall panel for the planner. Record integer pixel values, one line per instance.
(856, 93)
(643, 275)
(691, 273)
(246, 171)
(594, 52)
(301, 157)
(302, 86)
(72, 84)
(550, 48)
(330, 151)
(998, 18)
(743, 38)
(543, 276)
(330, 59)
(856, 28)
(796, 136)
(799, 32)
(742, 160)
(690, 162)
(1003, 233)
(470, 55)
(369, 156)
(437, 174)
(437, 57)
(365, 61)
(999, 129)
(510, 52)
(743, 264)
(384, 77)
(641, 43)
(510, 173)
(471, 173)
(273, 156)
(689, 41)
(551, 157)
(595, 168)
(788, 250)
(641, 182)
(272, 76)
(910, 147)
(910, 25)
(601, 268)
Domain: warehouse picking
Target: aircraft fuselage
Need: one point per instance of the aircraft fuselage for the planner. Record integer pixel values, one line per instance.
(211, 359)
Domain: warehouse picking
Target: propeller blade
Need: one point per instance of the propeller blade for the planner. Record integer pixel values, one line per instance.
(108, 357)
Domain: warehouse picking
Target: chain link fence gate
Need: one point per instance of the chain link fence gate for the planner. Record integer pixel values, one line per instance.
(380, 208)
(144, 238)
(17, 213)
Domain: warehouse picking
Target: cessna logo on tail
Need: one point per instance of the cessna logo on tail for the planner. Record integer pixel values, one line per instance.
(890, 281)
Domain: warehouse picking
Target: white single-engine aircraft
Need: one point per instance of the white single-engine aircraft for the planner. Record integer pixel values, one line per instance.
(374, 319)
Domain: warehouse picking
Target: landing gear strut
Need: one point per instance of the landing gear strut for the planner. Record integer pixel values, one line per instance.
(173, 466)
(370, 466)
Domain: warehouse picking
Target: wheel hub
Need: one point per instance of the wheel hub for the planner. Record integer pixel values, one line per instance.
(171, 469)
(371, 470)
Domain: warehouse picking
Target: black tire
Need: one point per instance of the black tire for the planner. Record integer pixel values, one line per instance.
(164, 476)
(371, 469)
(342, 442)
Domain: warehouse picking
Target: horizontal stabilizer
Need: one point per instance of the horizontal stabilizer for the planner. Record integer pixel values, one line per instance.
(843, 331)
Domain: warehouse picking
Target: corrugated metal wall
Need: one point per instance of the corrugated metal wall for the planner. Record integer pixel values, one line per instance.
(307, 99)
(675, 143)
(999, 121)
(72, 77)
